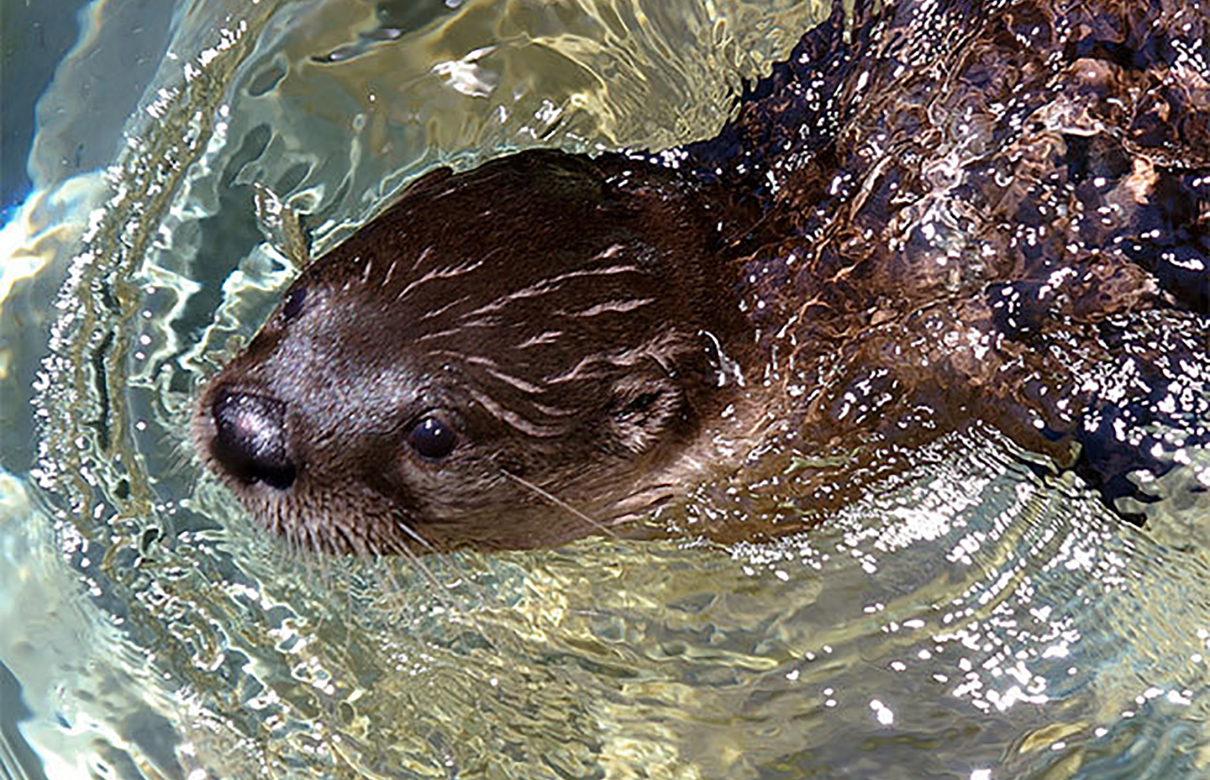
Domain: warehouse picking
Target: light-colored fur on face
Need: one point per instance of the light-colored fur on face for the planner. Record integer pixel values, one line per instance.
(575, 367)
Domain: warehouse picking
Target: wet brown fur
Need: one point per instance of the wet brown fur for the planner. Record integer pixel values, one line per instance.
(987, 225)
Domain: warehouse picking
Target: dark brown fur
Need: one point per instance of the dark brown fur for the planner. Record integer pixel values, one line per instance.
(900, 233)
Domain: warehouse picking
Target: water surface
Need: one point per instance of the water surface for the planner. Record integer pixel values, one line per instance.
(984, 616)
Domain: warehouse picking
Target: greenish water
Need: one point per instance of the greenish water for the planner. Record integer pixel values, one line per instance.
(976, 619)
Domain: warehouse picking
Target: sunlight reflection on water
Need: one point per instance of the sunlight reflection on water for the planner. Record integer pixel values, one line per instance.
(979, 618)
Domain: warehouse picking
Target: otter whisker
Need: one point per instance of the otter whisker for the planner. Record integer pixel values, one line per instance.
(343, 534)
(597, 524)
(413, 534)
(425, 571)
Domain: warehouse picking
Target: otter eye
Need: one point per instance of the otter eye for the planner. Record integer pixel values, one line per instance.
(432, 438)
(294, 302)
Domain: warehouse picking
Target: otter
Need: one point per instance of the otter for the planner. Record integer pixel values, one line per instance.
(899, 233)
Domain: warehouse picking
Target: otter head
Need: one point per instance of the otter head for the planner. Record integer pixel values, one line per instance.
(503, 358)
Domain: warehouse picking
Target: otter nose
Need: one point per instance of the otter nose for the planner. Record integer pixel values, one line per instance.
(250, 438)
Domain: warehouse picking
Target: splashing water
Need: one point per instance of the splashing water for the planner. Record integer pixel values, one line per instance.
(978, 616)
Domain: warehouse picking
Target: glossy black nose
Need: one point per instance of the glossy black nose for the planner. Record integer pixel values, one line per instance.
(250, 439)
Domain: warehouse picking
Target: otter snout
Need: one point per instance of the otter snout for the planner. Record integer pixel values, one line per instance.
(250, 438)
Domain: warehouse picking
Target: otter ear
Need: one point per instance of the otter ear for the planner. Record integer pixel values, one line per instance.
(641, 412)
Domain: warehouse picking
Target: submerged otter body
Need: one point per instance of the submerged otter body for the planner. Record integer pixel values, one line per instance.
(901, 233)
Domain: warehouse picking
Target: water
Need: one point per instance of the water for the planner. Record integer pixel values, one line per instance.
(978, 618)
